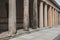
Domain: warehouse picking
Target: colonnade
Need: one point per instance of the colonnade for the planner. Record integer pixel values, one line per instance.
(52, 16)
(48, 15)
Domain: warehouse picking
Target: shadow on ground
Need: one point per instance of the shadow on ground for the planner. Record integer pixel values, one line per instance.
(57, 38)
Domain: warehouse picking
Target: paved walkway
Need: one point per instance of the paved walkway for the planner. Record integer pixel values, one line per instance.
(46, 34)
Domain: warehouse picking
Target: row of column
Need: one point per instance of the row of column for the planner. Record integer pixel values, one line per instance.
(12, 15)
(43, 15)
(48, 20)
(52, 17)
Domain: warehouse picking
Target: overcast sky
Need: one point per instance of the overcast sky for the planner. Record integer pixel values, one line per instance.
(58, 1)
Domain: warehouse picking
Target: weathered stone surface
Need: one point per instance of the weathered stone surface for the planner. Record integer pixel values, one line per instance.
(12, 16)
(53, 16)
(35, 14)
(45, 15)
(50, 16)
(26, 14)
(41, 15)
(47, 34)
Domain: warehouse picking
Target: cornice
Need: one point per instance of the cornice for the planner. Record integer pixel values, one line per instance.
(54, 2)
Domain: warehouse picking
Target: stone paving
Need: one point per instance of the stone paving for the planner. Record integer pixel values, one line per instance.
(46, 34)
(57, 38)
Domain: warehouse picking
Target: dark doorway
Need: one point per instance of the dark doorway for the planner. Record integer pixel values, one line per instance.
(31, 13)
(3, 15)
(19, 13)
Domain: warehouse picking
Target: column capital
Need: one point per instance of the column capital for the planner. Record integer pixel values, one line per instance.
(42, 1)
(50, 7)
(46, 3)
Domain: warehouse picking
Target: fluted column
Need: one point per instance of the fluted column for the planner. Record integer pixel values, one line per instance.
(26, 15)
(12, 16)
(35, 14)
(57, 17)
(50, 16)
(45, 15)
(41, 15)
(53, 19)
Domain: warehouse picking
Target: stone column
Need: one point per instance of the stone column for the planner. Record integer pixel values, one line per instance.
(53, 15)
(50, 16)
(12, 16)
(41, 15)
(57, 17)
(45, 15)
(35, 14)
(26, 15)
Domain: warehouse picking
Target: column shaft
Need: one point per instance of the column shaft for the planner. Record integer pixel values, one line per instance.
(53, 17)
(41, 15)
(45, 15)
(26, 15)
(50, 16)
(35, 14)
(12, 16)
(57, 18)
